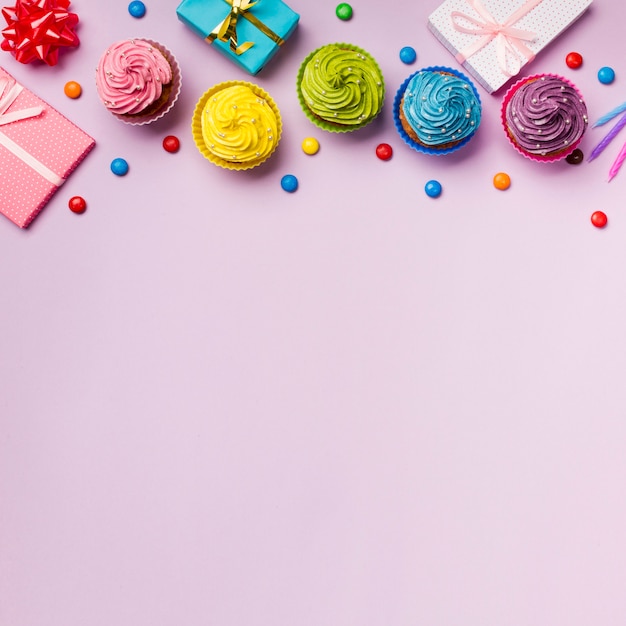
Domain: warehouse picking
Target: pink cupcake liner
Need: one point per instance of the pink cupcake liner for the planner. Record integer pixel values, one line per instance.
(141, 120)
(549, 158)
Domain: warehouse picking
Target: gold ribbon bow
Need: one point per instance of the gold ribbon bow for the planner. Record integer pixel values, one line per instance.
(509, 40)
(226, 30)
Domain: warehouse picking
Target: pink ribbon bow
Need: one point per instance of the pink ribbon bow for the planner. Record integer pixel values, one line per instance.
(509, 40)
(10, 89)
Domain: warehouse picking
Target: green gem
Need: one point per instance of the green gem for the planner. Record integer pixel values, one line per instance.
(344, 11)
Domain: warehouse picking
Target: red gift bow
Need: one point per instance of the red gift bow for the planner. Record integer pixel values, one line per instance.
(36, 29)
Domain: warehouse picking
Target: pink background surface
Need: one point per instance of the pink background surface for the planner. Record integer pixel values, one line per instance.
(224, 404)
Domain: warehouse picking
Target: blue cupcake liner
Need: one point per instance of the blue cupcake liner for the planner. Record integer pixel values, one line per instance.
(396, 112)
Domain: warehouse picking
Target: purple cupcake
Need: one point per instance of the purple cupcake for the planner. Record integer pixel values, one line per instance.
(544, 117)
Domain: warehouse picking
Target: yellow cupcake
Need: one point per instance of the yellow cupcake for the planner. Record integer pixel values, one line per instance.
(236, 125)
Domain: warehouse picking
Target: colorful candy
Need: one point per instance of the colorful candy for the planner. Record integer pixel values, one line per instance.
(502, 181)
(119, 167)
(573, 60)
(289, 183)
(606, 75)
(77, 204)
(344, 11)
(310, 145)
(137, 8)
(599, 219)
(384, 151)
(408, 55)
(171, 143)
(72, 89)
(433, 188)
(576, 157)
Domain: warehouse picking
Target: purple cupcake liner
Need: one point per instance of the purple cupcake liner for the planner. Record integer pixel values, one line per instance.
(398, 123)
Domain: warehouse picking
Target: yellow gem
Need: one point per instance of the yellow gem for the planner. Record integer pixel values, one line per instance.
(310, 145)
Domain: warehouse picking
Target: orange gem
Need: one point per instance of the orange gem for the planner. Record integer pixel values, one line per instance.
(502, 181)
(72, 89)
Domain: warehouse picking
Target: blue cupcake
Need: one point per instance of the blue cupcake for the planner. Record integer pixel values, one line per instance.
(437, 110)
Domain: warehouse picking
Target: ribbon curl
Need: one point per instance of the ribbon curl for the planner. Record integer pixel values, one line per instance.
(509, 40)
(37, 29)
(226, 30)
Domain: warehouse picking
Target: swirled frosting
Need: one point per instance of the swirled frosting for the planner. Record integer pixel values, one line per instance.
(238, 125)
(440, 108)
(130, 76)
(342, 86)
(546, 115)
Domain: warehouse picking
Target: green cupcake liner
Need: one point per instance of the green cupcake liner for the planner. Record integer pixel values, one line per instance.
(321, 123)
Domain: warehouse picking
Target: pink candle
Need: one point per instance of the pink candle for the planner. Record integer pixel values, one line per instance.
(621, 157)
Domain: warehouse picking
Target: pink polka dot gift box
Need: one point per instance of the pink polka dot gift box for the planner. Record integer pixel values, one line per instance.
(495, 39)
(39, 149)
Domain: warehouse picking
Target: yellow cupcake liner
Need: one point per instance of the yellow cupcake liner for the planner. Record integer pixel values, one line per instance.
(318, 121)
(196, 126)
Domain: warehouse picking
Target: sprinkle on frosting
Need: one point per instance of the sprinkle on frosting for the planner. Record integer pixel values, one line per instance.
(342, 86)
(546, 116)
(130, 76)
(236, 126)
(440, 108)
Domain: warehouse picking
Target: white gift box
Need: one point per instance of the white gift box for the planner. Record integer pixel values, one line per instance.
(494, 39)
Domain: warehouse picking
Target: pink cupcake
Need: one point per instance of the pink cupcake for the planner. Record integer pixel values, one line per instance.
(138, 80)
(544, 117)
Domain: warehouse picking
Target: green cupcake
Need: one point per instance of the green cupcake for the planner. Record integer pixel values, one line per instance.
(340, 87)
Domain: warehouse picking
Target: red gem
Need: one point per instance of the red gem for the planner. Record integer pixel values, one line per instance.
(573, 60)
(171, 143)
(36, 29)
(77, 204)
(384, 151)
(599, 219)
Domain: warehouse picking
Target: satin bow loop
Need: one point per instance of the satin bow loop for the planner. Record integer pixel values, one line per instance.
(226, 30)
(9, 91)
(510, 42)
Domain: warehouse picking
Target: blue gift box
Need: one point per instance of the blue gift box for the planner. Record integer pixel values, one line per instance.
(250, 33)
